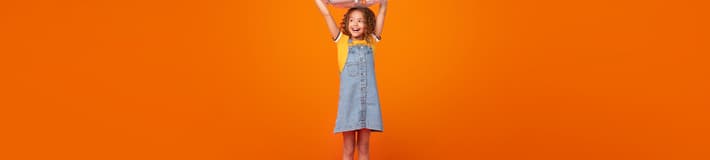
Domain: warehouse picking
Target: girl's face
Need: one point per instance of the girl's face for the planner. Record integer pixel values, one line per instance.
(356, 25)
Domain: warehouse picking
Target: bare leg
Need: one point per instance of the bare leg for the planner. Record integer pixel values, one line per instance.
(363, 143)
(348, 145)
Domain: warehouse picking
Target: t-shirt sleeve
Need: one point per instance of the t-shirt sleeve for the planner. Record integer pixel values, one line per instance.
(377, 38)
(337, 38)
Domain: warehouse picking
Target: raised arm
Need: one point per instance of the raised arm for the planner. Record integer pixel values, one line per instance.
(332, 27)
(381, 18)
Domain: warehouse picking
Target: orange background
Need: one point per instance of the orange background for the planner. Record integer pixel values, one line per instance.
(485, 79)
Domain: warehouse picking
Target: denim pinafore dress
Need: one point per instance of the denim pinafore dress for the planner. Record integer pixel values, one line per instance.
(358, 102)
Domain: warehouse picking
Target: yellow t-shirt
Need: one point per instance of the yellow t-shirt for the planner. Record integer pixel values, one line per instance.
(342, 44)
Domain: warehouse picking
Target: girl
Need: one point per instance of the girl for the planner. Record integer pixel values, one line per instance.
(358, 103)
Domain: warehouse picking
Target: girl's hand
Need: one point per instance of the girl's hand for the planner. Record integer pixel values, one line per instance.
(352, 3)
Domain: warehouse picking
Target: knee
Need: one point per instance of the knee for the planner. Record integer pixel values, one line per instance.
(348, 150)
(363, 148)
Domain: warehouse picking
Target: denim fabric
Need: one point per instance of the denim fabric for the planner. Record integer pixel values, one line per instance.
(358, 103)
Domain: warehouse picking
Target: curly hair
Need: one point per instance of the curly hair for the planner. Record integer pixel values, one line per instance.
(369, 21)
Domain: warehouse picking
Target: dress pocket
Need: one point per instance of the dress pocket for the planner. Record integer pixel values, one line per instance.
(351, 69)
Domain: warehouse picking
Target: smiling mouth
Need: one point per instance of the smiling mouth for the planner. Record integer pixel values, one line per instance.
(356, 29)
